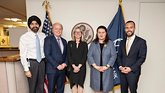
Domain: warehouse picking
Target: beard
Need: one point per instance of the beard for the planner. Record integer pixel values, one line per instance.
(130, 33)
(35, 29)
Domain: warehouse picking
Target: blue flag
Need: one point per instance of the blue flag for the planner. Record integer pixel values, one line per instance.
(47, 25)
(116, 34)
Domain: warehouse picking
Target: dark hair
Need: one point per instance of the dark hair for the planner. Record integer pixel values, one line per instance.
(33, 18)
(106, 38)
(130, 21)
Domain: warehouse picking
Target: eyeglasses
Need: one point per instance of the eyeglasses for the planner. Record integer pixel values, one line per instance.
(77, 32)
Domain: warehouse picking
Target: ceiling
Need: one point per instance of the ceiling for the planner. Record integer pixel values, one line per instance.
(12, 9)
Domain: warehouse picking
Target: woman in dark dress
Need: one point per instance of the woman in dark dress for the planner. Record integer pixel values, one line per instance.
(77, 56)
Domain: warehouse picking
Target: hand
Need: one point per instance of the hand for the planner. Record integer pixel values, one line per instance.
(76, 69)
(98, 68)
(126, 70)
(28, 74)
(80, 65)
(104, 68)
(121, 68)
(64, 65)
(60, 67)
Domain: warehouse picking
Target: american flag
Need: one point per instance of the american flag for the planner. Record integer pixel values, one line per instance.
(47, 25)
(45, 85)
(47, 29)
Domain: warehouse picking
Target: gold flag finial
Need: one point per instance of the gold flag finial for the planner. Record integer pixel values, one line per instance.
(120, 2)
(46, 5)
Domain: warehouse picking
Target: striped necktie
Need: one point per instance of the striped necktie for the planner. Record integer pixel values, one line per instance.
(58, 41)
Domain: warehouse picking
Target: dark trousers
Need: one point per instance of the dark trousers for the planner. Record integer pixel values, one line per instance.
(36, 82)
(56, 82)
(129, 81)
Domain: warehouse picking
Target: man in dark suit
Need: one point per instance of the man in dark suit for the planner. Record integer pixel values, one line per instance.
(55, 49)
(131, 56)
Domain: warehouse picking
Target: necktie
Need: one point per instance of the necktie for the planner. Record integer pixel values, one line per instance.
(58, 41)
(38, 49)
(127, 46)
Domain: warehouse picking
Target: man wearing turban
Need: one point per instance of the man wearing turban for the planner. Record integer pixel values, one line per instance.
(32, 55)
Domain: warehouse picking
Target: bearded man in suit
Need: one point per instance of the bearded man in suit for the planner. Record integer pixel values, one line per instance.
(131, 55)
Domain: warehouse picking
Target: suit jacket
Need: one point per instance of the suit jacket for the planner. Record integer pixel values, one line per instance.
(108, 57)
(53, 54)
(136, 55)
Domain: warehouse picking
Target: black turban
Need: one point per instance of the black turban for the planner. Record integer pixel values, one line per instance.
(34, 18)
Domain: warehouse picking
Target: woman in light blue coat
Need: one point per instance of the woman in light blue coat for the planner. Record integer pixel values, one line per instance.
(101, 58)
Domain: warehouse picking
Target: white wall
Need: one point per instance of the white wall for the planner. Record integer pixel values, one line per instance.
(71, 12)
(15, 34)
(101, 12)
(152, 23)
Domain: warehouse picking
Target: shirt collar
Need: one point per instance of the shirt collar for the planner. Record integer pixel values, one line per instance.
(32, 33)
(57, 37)
(132, 37)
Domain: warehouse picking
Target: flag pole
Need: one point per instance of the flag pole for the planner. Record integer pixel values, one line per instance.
(47, 6)
(113, 90)
(120, 3)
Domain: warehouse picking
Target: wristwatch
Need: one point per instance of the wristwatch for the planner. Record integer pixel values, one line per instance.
(108, 66)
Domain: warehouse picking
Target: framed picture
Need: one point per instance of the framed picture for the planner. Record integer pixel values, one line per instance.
(4, 40)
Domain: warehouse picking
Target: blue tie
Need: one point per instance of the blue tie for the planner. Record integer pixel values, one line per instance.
(38, 49)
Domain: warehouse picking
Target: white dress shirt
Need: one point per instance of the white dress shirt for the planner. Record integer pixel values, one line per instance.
(131, 39)
(27, 46)
(61, 44)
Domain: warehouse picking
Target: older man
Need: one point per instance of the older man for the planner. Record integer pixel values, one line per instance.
(55, 49)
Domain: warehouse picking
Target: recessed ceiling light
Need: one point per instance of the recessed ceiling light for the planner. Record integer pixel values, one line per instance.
(12, 19)
(24, 22)
(9, 26)
(7, 19)
(15, 19)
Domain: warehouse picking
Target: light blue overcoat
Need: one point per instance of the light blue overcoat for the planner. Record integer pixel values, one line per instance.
(108, 57)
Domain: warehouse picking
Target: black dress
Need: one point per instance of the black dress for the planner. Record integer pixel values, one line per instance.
(101, 64)
(77, 55)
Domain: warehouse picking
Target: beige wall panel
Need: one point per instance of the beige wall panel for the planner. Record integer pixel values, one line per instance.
(21, 80)
(11, 77)
(3, 78)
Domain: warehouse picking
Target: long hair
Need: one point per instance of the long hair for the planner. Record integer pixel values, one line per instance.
(106, 37)
(74, 39)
